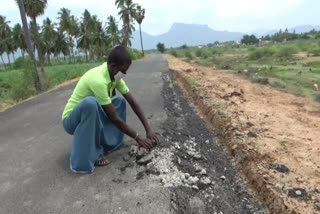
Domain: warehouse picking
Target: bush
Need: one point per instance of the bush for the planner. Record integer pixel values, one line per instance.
(287, 52)
(315, 52)
(18, 64)
(188, 55)
(22, 82)
(205, 55)
(174, 53)
(135, 54)
(199, 53)
(259, 53)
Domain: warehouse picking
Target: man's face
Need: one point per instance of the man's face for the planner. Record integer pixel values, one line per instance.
(123, 68)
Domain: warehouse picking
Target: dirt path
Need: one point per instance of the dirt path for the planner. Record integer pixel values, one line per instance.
(282, 128)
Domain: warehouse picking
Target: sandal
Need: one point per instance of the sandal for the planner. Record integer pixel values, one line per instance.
(102, 161)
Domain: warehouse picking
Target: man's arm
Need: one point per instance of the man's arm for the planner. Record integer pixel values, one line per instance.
(136, 108)
(114, 118)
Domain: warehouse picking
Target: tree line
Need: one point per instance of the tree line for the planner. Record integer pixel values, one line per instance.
(70, 38)
(280, 36)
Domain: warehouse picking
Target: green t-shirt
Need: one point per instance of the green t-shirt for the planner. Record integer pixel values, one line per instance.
(95, 82)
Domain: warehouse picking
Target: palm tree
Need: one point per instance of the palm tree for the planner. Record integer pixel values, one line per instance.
(4, 25)
(127, 14)
(139, 16)
(6, 37)
(100, 39)
(87, 26)
(36, 79)
(61, 45)
(19, 39)
(35, 8)
(113, 31)
(65, 27)
(74, 31)
(49, 36)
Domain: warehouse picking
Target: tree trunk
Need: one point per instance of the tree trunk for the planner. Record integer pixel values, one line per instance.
(35, 75)
(86, 55)
(9, 59)
(48, 57)
(14, 58)
(4, 64)
(40, 56)
(22, 53)
(141, 40)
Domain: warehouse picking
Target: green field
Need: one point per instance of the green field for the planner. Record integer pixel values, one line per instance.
(290, 66)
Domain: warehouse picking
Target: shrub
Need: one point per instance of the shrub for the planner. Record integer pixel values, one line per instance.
(22, 82)
(135, 54)
(188, 55)
(315, 52)
(287, 52)
(205, 55)
(199, 53)
(18, 64)
(259, 53)
(174, 53)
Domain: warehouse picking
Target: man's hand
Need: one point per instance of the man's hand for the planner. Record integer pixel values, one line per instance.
(145, 143)
(153, 136)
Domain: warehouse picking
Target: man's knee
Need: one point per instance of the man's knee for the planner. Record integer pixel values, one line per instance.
(89, 103)
(120, 101)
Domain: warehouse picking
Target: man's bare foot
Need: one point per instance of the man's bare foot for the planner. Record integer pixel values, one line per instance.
(102, 161)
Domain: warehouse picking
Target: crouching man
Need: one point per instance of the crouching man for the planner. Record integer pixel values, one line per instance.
(96, 120)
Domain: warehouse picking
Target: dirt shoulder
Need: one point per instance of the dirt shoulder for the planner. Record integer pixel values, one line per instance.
(274, 136)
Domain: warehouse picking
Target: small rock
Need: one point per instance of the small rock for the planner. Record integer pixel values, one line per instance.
(141, 152)
(193, 180)
(223, 178)
(297, 193)
(187, 175)
(206, 181)
(249, 124)
(176, 145)
(207, 141)
(126, 157)
(203, 172)
(317, 206)
(252, 134)
(133, 150)
(280, 168)
(195, 187)
(145, 159)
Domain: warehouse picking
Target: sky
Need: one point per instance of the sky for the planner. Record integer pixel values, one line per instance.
(231, 15)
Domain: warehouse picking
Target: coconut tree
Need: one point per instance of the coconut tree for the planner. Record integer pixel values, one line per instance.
(61, 45)
(127, 14)
(36, 79)
(113, 31)
(139, 16)
(4, 25)
(35, 8)
(87, 27)
(19, 39)
(49, 36)
(100, 39)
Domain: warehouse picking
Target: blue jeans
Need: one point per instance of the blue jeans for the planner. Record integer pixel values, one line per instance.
(93, 133)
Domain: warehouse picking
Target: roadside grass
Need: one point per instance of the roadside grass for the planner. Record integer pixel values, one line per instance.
(16, 84)
(277, 64)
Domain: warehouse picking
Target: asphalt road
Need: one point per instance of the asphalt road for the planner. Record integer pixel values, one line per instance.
(34, 157)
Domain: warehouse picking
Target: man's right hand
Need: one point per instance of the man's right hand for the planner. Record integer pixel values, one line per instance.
(145, 143)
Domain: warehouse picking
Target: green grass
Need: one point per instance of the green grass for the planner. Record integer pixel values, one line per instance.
(16, 82)
(276, 61)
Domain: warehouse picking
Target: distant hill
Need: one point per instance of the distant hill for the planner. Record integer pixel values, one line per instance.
(180, 34)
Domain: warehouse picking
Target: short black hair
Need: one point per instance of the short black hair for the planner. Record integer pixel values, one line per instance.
(119, 56)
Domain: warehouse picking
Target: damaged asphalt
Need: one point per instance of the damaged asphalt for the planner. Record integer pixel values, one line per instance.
(188, 173)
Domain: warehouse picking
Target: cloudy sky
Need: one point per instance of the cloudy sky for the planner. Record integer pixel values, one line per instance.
(231, 15)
